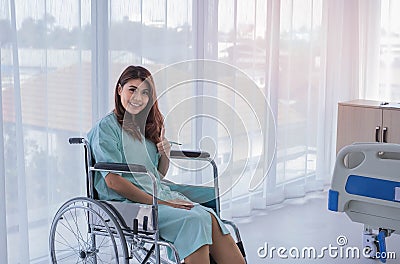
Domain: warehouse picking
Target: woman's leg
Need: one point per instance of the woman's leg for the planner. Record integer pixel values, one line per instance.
(224, 248)
(200, 256)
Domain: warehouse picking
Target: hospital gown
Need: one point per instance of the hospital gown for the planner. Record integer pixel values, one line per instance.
(188, 230)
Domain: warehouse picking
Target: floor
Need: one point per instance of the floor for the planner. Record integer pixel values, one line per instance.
(303, 224)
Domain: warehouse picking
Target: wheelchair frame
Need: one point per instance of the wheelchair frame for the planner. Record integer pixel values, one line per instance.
(105, 222)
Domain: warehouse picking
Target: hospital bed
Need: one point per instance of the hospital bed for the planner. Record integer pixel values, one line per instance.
(366, 186)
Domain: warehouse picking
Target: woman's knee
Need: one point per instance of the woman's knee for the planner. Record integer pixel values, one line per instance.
(196, 219)
(216, 229)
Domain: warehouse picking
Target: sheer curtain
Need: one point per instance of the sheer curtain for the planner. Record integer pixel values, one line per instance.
(307, 55)
(280, 44)
(46, 87)
(60, 61)
(381, 81)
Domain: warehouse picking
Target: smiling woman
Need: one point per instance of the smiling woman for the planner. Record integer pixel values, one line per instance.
(134, 96)
(195, 231)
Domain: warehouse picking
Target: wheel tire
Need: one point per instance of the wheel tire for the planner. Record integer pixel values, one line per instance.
(85, 231)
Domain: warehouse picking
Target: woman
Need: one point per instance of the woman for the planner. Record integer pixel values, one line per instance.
(134, 133)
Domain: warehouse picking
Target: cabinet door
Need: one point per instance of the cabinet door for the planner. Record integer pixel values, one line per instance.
(391, 122)
(357, 124)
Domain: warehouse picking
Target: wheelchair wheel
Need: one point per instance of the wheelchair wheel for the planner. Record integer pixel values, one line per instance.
(84, 231)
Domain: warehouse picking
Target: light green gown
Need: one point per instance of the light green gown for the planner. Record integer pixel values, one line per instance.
(188, 230)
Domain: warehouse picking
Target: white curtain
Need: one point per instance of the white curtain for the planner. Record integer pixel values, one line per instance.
(46, 87)
(351, 59)
(280, 45)
(340, 78)
(292, 62)
(381, 71)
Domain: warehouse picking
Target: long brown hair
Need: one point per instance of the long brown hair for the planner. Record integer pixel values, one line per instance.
(149, 119)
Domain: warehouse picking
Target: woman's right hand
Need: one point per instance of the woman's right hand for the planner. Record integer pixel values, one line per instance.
(179, 203)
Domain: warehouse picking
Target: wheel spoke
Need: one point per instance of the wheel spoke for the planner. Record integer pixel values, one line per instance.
(66, 243)
(79, 235)
(84, 231)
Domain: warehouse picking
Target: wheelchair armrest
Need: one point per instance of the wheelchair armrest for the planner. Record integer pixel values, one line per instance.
(123, 167)
(189, 154)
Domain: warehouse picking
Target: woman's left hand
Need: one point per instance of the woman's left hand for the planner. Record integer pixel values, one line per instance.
(164, 147)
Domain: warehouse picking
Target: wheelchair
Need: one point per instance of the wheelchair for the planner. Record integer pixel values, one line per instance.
(89, 230)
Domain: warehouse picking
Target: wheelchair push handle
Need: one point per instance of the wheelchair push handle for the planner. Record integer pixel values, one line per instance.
(76, 140)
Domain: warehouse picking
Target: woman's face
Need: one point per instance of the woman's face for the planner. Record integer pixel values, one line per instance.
(134, 96)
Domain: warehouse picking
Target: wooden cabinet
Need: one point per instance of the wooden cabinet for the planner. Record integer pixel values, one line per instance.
(367, 121)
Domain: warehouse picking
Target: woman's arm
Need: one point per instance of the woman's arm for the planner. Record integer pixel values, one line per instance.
(164, 148)
(128, 190)
(163, 165)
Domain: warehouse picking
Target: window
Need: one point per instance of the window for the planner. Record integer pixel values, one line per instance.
(389, 57)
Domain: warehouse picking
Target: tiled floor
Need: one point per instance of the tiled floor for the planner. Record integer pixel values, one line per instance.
(303, 223)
